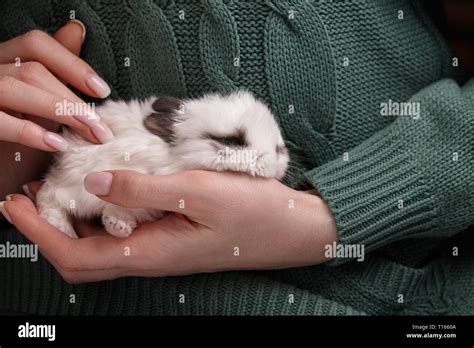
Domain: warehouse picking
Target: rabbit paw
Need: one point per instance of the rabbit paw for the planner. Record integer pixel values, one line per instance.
(118, 226)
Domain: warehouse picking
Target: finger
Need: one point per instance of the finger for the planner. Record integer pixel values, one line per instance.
(24, 200)
(72, 36)
(35, 228)
(30, 134)
(31, 189)
(25, 98)
(78, 277)
(92, 276)
(35, 74)
(39, 46)
(185, 192)
(93, 253)
(74, 277)
(28, 99)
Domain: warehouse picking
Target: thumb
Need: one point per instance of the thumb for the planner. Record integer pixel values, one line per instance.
(72, 36)
(161, 192)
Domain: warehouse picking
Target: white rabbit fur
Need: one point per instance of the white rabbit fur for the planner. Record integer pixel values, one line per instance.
(161, 135)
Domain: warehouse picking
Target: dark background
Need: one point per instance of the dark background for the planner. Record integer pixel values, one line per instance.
(459, 30)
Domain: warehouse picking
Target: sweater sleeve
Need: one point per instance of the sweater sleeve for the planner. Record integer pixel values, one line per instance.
(415, 178)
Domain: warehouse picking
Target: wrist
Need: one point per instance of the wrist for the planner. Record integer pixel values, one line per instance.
(322, 228)
(306, 231)
(325, 213)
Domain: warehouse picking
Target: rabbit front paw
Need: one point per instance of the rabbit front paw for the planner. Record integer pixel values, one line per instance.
(117, 226)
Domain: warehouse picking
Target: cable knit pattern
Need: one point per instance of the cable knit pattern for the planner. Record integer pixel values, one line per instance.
(324, 68)
(219, 44)
(158, 41)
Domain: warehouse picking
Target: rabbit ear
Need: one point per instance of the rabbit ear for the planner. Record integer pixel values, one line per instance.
(161, 121)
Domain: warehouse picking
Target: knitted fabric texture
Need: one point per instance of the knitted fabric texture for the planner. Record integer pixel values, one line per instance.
(324, 68)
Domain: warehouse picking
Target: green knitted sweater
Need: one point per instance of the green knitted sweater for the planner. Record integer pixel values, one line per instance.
(401, 186)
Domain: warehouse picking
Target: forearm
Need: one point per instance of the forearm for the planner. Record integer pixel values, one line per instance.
(410, 180)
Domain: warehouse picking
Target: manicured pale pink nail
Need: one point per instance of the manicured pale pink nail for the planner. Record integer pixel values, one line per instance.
(27, 192)
(102, 132)
(89, 117)
(99, 86)
(83, 27)
(4, 212)
(55, 141)
(98, 183)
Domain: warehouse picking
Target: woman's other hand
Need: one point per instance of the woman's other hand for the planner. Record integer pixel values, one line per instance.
(34, 68)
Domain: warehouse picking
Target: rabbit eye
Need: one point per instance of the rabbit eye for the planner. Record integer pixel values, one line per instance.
(236, 139)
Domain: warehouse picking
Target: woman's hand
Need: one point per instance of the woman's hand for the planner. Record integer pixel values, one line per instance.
(219, 221)
(33, 70)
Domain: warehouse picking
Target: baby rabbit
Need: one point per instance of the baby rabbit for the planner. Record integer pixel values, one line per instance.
(162, 135)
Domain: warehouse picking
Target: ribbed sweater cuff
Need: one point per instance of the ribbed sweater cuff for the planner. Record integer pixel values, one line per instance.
(377, 195)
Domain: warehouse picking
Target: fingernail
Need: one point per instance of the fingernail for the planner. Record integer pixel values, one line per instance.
(102, 132)
(98, 183)
(27, 192)
(9, 197)
(55, 141)
(99, 86)
(89, 117)
(4, 212)
(82, 26)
